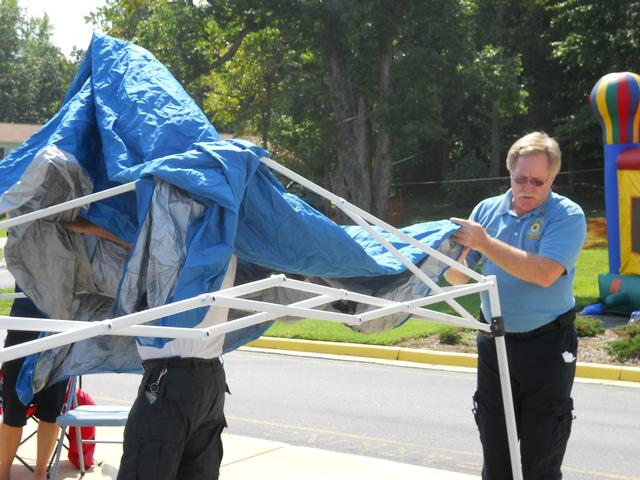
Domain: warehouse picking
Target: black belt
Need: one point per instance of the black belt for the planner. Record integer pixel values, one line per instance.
(563, 320)
(178, 362)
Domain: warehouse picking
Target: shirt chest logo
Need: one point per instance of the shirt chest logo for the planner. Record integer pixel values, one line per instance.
(534, 230)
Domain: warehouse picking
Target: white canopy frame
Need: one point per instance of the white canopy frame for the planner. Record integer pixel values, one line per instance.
(68, 331)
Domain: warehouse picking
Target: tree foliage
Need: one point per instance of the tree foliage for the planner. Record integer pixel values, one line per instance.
(589, 39)
(358, 94)
(326, 84)
(34, 74)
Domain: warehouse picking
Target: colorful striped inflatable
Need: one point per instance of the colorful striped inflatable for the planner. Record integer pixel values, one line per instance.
(616, 103)
(615, 100)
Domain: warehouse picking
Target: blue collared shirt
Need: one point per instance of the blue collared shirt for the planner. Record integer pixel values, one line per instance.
(556, 230)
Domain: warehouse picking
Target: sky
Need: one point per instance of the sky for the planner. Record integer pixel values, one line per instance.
(67, 19)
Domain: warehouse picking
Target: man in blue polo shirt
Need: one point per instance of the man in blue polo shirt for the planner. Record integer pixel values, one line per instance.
(530, 239)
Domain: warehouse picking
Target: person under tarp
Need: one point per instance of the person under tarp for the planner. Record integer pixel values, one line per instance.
(175, 425)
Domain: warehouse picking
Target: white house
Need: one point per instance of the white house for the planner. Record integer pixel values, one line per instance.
(12, 135)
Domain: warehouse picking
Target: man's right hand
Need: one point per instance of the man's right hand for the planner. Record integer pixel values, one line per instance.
(84, 226)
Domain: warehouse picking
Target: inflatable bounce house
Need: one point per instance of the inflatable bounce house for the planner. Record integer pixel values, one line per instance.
(615, 99)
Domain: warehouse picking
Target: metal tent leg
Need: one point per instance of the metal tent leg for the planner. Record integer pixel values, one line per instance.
(509, 413)
(497, 329)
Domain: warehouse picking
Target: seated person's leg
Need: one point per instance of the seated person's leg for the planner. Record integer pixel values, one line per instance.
(9, 441)
(13, 419)
(49, 402)
(47, 438)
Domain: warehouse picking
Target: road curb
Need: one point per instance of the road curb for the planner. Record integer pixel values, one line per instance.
(583, 370)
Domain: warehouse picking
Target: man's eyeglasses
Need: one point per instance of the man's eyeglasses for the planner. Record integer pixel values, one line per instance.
(536, 182)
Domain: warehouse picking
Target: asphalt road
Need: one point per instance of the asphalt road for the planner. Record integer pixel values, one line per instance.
(6, 279)
(412, 415)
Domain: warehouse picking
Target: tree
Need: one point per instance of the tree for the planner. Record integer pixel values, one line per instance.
(590, 38)
(342, 89)
(344, 58)
(34, 74)
(184, 36)
(269, 61)
(498, 96)
(243, 95)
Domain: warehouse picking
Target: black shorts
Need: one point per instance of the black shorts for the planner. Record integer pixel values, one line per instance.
(48, 401)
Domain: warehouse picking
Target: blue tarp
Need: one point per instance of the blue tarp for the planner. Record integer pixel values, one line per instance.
(125, 118)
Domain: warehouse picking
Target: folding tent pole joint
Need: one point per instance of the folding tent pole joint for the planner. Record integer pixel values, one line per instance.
(497, 327)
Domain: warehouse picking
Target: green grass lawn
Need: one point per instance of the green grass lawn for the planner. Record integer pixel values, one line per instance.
(5, 305)
(591, 263)
(336, 332)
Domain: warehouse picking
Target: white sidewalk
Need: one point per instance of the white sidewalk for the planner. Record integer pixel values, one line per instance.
(248, 458)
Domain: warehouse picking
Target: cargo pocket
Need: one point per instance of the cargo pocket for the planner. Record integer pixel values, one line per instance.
(158, 450)
(480, 417)
(562, 411)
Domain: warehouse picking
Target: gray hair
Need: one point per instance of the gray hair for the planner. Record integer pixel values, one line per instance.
(536, 142)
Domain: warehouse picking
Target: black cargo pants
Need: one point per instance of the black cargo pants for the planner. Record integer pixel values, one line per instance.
(541, 383)
(175, 424)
